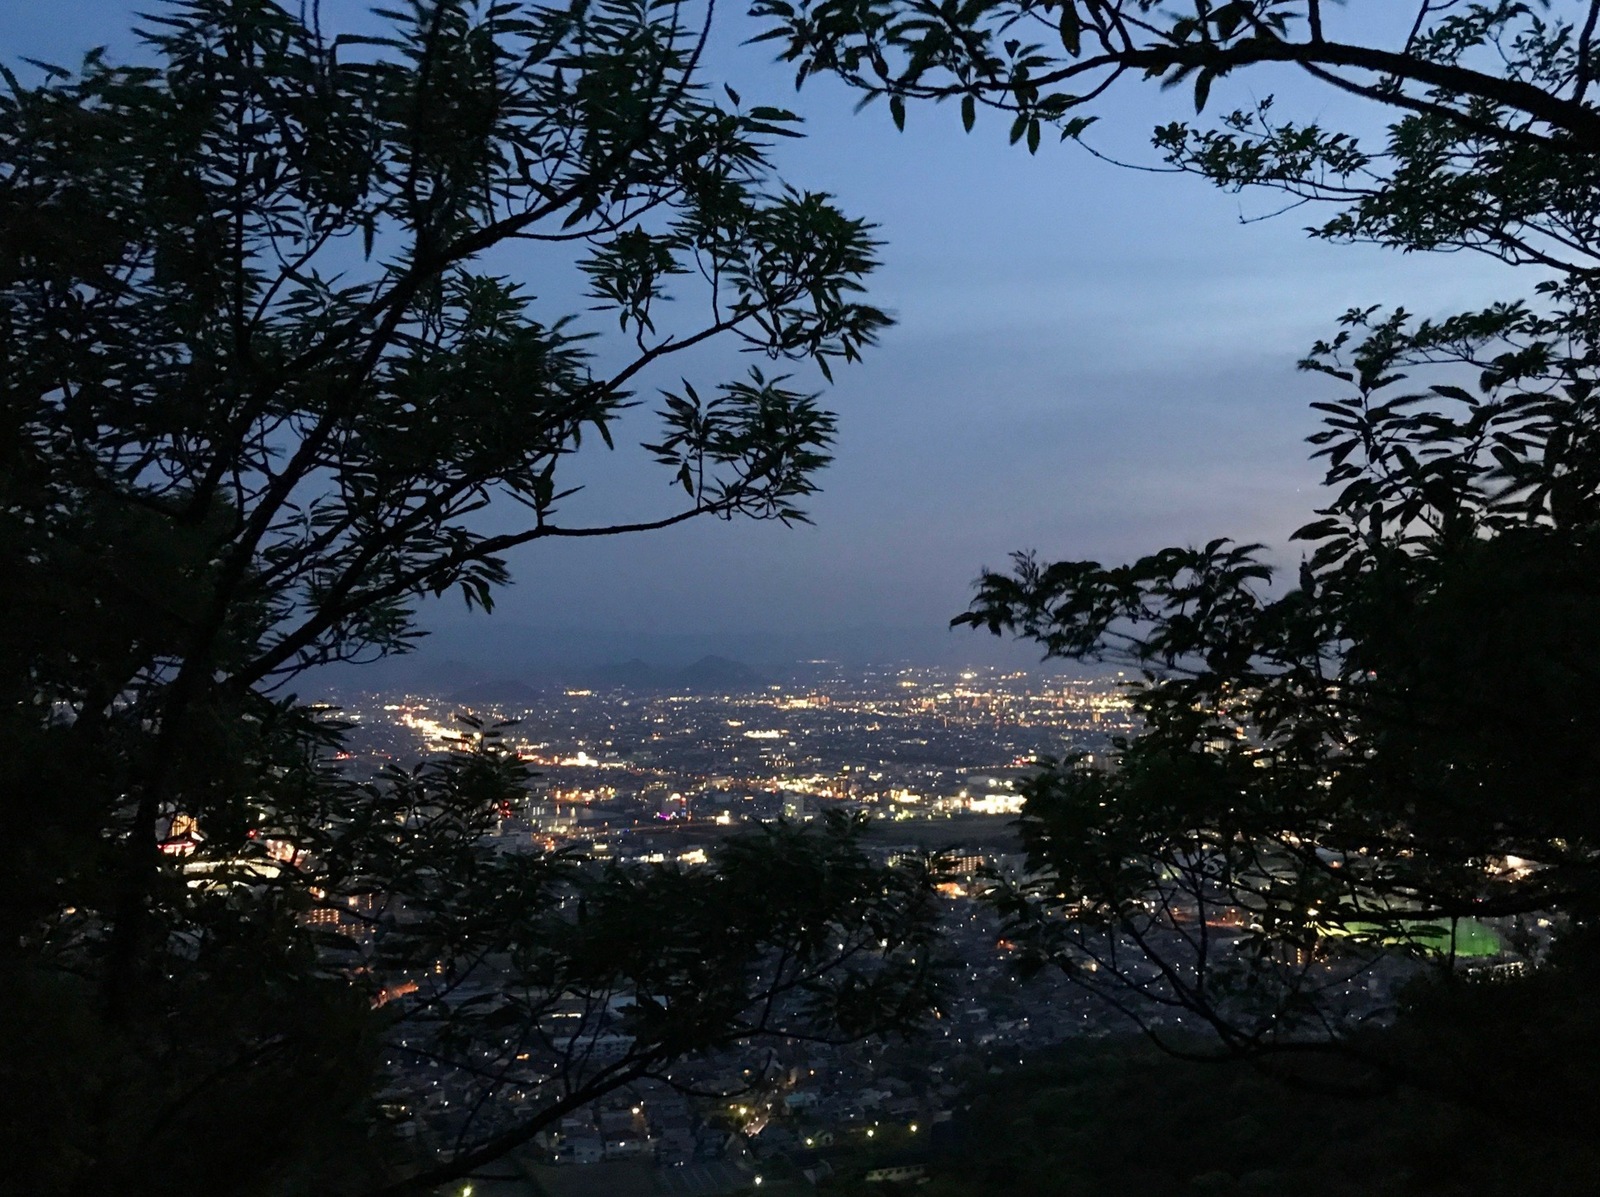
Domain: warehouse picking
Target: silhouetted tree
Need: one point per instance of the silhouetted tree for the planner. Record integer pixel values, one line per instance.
(260, 377)
(1355, 764)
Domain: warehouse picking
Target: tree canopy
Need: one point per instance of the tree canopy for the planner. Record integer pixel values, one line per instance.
(261, 377)
(1358, 761)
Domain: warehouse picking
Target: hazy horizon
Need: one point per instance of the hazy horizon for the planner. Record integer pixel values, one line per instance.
(553, 656)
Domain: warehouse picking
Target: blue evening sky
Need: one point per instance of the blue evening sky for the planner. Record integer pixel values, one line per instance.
(1089, 361)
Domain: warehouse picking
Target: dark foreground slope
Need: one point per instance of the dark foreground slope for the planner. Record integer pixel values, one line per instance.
(1121, 1119)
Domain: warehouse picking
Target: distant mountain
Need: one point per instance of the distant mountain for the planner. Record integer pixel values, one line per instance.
(498, 646)
(507, 694)
(711, 674)
(632, 674)
(475, 658)
(719, 675)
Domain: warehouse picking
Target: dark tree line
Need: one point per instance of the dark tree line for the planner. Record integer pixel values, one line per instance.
(259, 381)
(1355, 759)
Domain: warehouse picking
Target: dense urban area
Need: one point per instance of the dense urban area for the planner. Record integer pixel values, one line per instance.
(637, 769)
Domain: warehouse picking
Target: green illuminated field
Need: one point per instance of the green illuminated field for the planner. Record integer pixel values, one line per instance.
(1472, 937)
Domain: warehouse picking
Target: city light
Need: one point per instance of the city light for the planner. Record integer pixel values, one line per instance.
(658, 780)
